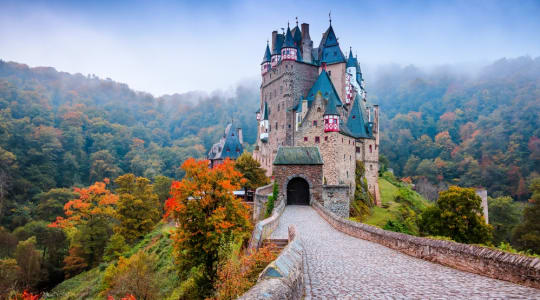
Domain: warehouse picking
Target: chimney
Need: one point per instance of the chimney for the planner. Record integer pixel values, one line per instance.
(240, 136)
(274, 37)
(305, 31)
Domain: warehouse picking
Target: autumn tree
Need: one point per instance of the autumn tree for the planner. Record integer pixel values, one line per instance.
(251, 170)
(29, 262)
(50, 204)
(162, 187)
(207, 214)
(89, 221)
(135, 275)
(363, 200)
(526, 235)
(457, 214)
(137, 208)
(9, 271)
(504, 215)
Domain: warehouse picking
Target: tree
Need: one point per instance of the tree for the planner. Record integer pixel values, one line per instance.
(29, 262)
(526, 235)
(458, 215)
(251, 170)
(135, 275)
(207, 213)
(363, 200)
(51, 204)
(504, 215)
(137, 208)
(9, 271)
(74, 263)
(162, 188)
(115, 247)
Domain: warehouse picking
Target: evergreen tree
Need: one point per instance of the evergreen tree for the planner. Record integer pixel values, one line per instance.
(138, 207)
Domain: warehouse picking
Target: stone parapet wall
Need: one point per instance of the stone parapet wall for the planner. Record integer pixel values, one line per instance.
(284, 277)
(264, 228)
(259, 201)
(475, 259)
(336, 198)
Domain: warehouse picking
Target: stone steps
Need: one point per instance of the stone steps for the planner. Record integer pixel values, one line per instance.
(279, 244)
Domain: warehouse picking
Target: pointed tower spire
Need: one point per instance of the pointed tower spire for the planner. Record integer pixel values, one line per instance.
(330, 17)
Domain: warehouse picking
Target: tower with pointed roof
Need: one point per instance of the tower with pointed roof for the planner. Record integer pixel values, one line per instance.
(315, 97)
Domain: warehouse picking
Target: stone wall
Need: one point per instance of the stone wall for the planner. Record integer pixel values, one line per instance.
(482, 193)
(311, 173)
(475, 259)
(284, 277)
(259, 201)
(336, 199)
(263, 229)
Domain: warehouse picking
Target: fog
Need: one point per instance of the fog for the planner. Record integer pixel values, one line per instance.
(166, 47)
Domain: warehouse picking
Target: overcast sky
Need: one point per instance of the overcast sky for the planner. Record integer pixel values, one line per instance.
(163, 47)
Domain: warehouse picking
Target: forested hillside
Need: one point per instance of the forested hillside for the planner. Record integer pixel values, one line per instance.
(447, 127)
(62, 130)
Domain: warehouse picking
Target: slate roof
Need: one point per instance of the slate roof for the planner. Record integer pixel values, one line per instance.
(351, 61)
(329, 51)
(325, 86)
(289, 42)
(297, 35)
(266, 57)
(298, 156)
(229, 145)
(331, 106)
(279, 44)
(356, 125)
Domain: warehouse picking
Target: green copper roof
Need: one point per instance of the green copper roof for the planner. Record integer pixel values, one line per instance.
(355, 123)
(325, 86)
(289, 42)
(266, 57)
(298, 156)
(329, 51)
(331, 106)
(232, 147)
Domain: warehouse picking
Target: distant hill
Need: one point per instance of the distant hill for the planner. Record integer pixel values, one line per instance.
(59, 129)
(449, 127)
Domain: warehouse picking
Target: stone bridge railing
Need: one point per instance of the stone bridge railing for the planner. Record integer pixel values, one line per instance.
(284, 277)
(260, 199)
(263, 229)
(470, 258)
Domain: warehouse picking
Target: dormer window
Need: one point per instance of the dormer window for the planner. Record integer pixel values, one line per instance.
(315, 123)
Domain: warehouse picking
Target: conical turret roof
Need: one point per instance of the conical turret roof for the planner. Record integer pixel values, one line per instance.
(355, 123)
(351, 61)
(289, 41)
(267, 55)
(331, 106)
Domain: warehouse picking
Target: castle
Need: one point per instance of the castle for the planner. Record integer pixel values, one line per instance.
(313, 103)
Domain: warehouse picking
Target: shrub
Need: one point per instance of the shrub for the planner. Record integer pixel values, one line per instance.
(240, 272)
(271, 201)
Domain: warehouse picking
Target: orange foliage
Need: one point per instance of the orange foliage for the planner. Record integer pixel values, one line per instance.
(26, 295)
(407, 180)
(205, 209)
(237, 275)
(94, 200)
(127, 297)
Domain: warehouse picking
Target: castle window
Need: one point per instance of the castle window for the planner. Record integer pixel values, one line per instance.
(276, 126)
(329, 73)
(370, 149)
(278, 107)
(371, 167)
(289, 125)
(315, 123)
(349, 142)
(326, 139)
(357, 149)
(318, 109)
(347, 174)
(342, 140)
(305, 139)
(354, 117)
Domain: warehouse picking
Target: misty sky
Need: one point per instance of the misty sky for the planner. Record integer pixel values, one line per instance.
(164, 47)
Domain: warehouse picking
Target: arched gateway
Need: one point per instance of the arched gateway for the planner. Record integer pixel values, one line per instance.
(298, 192)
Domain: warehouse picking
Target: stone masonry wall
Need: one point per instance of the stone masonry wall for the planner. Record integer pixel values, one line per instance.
(284, 277)
(470, 258)
(336, 199)
(311, 173)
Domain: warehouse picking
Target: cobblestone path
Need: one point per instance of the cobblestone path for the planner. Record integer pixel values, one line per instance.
(339, 266)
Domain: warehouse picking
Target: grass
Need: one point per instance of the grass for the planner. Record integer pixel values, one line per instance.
(390, 208)
(87, 285)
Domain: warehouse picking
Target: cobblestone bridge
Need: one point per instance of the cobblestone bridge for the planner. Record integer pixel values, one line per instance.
(339, 266)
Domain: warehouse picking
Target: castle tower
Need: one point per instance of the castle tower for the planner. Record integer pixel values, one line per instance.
(265, 65)
(315, 98)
